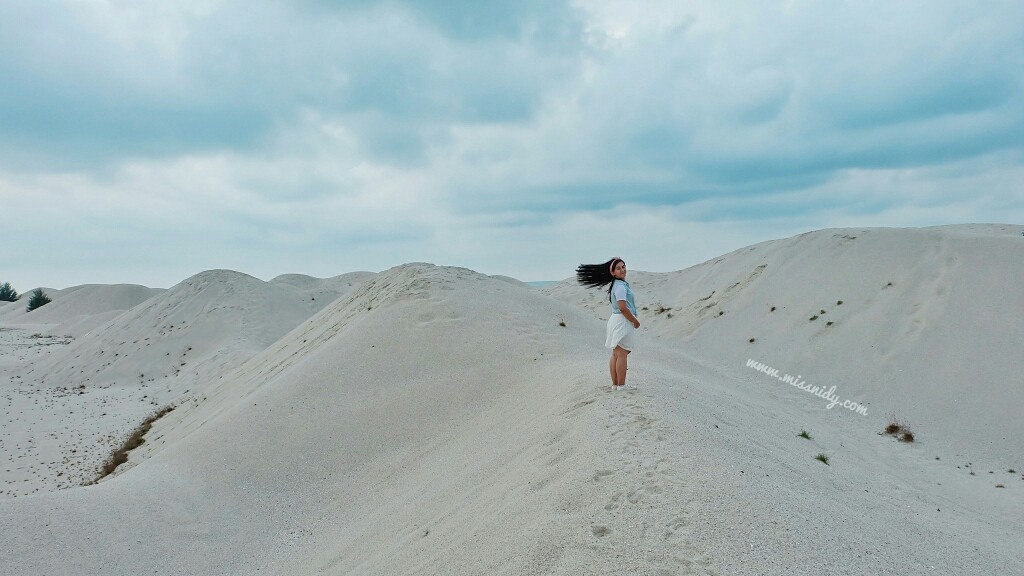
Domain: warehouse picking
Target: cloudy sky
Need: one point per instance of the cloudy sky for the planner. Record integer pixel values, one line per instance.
(145, 141)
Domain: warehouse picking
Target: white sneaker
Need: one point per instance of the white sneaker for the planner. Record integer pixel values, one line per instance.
(629, 387)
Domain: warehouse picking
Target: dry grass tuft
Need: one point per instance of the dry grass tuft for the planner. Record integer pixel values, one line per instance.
(899, 429)
(134, 440)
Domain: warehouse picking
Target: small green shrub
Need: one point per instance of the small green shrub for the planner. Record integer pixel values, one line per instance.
(803, 434)
(822, 458)
(7, 293)
(39, 298)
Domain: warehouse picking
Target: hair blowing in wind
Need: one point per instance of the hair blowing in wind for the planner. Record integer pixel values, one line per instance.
(596, 275)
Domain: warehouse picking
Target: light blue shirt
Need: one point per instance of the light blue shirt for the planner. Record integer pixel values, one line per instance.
(622, 291)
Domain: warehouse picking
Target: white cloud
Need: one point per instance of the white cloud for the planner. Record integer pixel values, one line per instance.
(148, 141)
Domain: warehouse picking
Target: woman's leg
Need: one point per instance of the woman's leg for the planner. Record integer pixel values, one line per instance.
(620, 365)
(625, 361)
(611, 366)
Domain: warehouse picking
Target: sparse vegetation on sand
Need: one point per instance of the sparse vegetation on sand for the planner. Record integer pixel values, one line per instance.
(822, 458)
(804, 434)
(899, 429)
(134, 440)
(7, 293)
(39, 298)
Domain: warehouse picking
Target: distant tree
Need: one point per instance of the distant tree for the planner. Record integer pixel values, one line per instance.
(39, 298)
(7, 294)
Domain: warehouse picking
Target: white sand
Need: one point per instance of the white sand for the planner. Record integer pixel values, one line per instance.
(941, 347)
(70, 407)
(437, 421)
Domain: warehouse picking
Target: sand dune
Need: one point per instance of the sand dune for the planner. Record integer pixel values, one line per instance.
(77, 310)
(88, 299)
(212, 320)
(329, 288)
(15, 312)
(389, 377)
(163, 351)
(434, 420)
(928, 326)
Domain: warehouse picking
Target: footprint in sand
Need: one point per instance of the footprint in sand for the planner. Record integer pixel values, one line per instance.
(579, 405)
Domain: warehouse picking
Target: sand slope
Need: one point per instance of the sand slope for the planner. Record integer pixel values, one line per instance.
(343, 447)
(435, 420)
(163, 351)
(929, 326)
(76, 310)
(15, 312)
(323, 288)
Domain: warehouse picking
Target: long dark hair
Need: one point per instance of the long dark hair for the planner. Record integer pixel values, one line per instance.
(597, 275)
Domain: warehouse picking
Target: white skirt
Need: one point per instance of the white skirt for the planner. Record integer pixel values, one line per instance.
(619, 333)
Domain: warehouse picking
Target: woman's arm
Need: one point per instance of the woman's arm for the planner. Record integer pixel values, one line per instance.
(624, 308)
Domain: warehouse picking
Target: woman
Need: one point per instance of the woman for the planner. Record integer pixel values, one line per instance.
(623, 321)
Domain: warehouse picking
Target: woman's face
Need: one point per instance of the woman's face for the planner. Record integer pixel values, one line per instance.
(619, 270)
